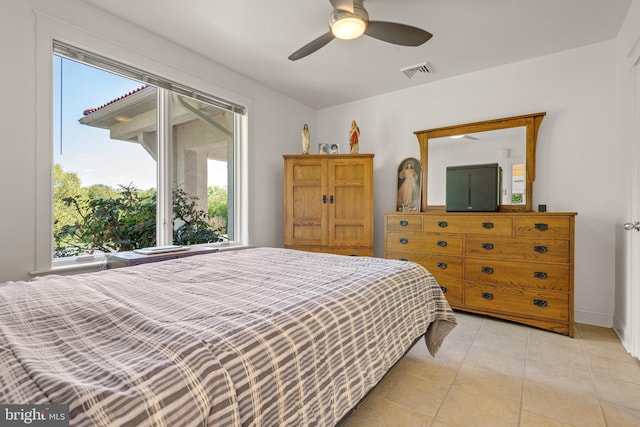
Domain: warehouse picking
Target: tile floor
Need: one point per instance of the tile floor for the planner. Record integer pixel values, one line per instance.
(495, 373)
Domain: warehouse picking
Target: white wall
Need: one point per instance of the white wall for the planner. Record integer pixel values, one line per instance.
(576, 156)
(275, 121)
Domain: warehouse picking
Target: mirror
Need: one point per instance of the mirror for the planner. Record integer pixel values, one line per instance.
(511, 142)
(507, 147)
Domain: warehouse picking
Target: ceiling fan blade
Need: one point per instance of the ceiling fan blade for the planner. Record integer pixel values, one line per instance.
(345, 5)
(311, 47)
(395, 33)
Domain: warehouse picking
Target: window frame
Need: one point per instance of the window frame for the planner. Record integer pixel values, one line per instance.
(49, 31)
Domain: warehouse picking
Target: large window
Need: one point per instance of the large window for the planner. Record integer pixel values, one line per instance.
(138, 161)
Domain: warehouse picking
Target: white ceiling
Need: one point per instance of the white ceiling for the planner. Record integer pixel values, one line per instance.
(255, 37)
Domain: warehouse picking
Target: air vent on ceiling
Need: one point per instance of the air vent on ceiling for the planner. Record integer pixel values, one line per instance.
(423, 67)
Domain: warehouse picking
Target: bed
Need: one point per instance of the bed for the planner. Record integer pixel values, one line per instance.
(255, 337)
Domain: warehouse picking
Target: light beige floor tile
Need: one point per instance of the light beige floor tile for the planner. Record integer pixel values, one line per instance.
(559, 356)
(552, 339)
(623, 370)
(462, 409)
(468, 320)
(611, 350)
(617, 416)
(377, 412)
(569, 408)
(412, 392)
(462, 334)
(442, 374)
(529, 419)
(516, 346)
(503, 388)
(481, 377)
(595, 333)
(451, 353)
(618, 392)
(495, 360)
(561, 378)
(502, 328)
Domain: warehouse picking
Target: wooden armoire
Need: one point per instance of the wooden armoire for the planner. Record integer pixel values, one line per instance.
(328, 203)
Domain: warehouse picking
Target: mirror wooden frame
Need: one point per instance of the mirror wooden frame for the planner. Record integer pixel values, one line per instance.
(530, 121)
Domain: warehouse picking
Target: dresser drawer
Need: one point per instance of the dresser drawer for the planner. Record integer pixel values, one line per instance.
(404, 222)
(492, 225)
(518, 301)
(517, 249)
(423, 242)
(541, 226)
(452, 289)
(438, 265)
(529, 274)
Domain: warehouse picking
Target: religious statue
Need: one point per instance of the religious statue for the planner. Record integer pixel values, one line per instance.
(306, 139)
(354, 133)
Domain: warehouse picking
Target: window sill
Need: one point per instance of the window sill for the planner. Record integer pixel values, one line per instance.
(77, 267)
(98, 263)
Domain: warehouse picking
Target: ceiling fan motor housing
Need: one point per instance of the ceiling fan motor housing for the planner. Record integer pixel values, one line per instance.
(358, 12)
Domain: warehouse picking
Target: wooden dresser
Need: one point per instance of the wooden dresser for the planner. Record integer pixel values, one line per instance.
(512, 265)
(328, 203)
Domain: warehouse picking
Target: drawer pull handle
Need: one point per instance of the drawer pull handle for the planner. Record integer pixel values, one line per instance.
(487, 225)
(442, 243)
(541, 249)
(404, 240)
(542, 227)
(444, 289)
(403, 259)
(487, 270)
(324, 198)
(331, 199)
(443, 224)
(487, 246)
(404, 223)
(442, 265)
(539, 274)
(487, 295)
(539, 302)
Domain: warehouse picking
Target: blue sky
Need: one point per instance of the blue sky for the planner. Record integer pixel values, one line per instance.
(88, 151)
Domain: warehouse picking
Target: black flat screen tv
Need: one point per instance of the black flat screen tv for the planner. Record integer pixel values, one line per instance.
(473, 188)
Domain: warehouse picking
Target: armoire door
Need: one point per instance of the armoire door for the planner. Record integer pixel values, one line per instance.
(350, 202)
(306, 202)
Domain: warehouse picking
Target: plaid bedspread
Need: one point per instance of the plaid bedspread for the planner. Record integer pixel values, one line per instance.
(256, 337)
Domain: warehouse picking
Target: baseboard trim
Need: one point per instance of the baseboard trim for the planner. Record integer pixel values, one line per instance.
(595, 319)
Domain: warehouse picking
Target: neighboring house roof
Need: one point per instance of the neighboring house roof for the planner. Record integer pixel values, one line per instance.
(93, 110)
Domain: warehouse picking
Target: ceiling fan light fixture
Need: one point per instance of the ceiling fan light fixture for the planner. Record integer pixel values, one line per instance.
(349, 27)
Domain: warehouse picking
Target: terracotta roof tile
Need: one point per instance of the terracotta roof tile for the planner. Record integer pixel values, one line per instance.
(93, 110)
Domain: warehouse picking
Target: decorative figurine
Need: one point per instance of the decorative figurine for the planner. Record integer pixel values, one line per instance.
(306, 139)
(354, 133)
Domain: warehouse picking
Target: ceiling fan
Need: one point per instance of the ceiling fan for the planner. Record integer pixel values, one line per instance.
(350, 20)
(465, 136)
